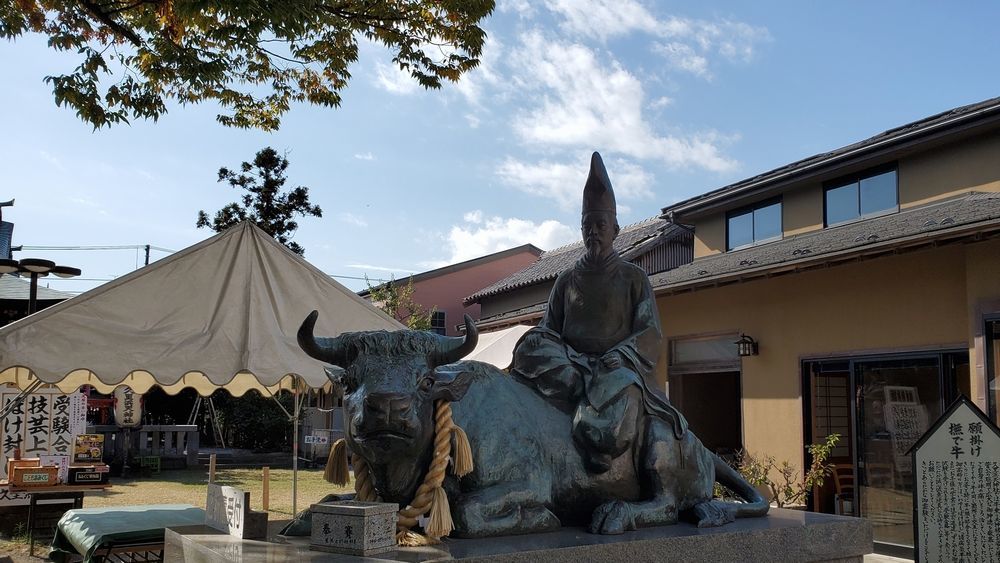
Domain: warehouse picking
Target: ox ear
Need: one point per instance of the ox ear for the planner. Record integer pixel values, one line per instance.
(336, 376)
(450, 383)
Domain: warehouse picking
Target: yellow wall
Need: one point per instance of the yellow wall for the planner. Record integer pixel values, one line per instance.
(970, 165)
(906, 302)
(973, 165)
(710, 236)
(802, 209)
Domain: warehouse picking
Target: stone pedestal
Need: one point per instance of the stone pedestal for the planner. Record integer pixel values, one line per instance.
(784, 535)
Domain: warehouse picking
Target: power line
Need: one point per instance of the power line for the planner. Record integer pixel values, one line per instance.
(160, 249)
(114, 247)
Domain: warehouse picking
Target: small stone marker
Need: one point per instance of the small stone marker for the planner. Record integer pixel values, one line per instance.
(354, 527)
(228, 509)
(956, 467)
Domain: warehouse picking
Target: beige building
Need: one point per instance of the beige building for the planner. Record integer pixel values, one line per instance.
(869, 278)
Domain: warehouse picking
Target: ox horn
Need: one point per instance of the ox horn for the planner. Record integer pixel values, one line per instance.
(453, 348)
(329, 350)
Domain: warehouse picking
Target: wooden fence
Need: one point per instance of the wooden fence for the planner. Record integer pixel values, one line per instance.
(166, 440)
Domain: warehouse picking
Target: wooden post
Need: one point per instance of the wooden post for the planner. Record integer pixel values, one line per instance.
(211, 468)
(266, 495)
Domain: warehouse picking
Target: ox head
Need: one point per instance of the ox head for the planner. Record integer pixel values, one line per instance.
(390, 382)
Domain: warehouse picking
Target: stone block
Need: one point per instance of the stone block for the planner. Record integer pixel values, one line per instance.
(354, 527)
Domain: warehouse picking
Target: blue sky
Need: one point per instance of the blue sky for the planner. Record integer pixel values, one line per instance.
(680, 98)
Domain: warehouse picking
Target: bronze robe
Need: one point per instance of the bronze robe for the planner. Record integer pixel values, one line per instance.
(595, 308)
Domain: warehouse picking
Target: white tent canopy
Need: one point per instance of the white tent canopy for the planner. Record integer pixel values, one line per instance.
(220, 314)
(497, 347)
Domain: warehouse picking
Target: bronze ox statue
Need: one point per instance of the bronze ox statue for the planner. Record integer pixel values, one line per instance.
(529, 475)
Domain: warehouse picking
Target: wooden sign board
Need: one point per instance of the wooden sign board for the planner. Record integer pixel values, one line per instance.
(956, 470)
(44, 423)
(228, 509)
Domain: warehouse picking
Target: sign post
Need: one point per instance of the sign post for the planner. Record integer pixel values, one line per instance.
(956, 468)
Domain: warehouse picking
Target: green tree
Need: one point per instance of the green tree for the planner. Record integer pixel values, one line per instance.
(252, 57)
(265, 204)
(396, 300)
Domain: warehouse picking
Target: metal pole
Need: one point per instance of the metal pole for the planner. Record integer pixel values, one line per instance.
(295, 448)
(33, 295)
(147, 256)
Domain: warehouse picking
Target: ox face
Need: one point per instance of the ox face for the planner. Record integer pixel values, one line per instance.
(389, 403)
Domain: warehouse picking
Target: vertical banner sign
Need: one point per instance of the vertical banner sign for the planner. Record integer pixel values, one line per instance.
(956, 466)
(128, 407)
(43, 424)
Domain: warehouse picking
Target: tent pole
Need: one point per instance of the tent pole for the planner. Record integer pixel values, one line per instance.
(12, 405)
(295, 448)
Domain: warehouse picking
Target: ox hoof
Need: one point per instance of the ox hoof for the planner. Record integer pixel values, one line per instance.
(713, 513)
(613, 517)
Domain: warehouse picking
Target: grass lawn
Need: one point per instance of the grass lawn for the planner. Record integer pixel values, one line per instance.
(190, 487)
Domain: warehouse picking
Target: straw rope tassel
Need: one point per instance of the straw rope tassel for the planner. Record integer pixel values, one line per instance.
(336, 470)
(463, 452)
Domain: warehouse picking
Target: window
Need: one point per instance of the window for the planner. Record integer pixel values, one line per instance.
(753, 225)
(438, 322)
(864, 195)
(992, 338)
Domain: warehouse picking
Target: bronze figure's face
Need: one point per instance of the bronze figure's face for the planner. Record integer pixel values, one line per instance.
(599, 229)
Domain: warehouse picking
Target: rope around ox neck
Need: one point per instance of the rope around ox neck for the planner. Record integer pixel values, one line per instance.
(430, 496)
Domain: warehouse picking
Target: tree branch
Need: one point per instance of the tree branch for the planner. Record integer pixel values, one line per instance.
(95, 10)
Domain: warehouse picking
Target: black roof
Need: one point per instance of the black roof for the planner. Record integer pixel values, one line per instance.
(632, 240)
(921, 129)
(974, 211)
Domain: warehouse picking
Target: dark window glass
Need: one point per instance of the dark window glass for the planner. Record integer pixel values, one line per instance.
(767, 222)
(759, 223)
(865, 194)
(841, 204)
(438, 322)
(740, 230)
(878, 193)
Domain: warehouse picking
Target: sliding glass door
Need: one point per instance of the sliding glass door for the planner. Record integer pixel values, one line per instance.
(893, 400)
(897, 401)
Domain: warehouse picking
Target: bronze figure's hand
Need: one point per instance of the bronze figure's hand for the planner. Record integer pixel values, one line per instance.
(612, 360)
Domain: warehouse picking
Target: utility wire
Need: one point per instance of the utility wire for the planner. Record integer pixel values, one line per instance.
(119, 247)
(160, 249)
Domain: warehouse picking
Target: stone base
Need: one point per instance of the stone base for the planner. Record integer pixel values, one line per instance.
(784, 535)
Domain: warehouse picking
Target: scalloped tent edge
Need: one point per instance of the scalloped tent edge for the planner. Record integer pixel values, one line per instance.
(221, 314)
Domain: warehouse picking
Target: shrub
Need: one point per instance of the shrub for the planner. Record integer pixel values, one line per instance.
(785, 481)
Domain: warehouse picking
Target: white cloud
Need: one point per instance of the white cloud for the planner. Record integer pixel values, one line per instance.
(494, 234)
(352, 219)
(473, 217)
(365, 156)
(394, 80)
(52, 160)
(520, 7)
(584, 103)
(661, 102)
(601, 19)
(563, 182)
(473, 120)
(486, 77)
(687, 44)
(684, 57)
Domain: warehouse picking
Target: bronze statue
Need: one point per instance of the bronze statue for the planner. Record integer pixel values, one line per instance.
(599, 339)
(574, 436)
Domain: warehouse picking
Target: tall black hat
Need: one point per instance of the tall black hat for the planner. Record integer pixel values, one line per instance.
(598, 195)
